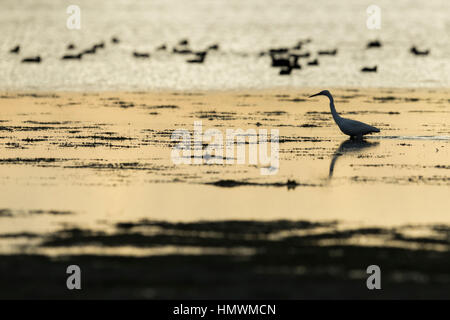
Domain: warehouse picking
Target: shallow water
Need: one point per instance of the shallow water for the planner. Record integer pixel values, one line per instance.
(242, 29)
(87, 178)
(91, 161)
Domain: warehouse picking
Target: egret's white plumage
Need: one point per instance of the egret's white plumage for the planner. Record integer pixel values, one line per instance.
(349, 127)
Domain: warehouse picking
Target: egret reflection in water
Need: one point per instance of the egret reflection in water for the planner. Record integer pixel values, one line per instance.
(349, 146)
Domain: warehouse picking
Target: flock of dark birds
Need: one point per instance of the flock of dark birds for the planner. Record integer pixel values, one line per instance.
(181, 48)
(286, 58)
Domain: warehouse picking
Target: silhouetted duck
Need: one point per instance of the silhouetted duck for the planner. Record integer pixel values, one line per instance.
(294, 61)
(200, 57)
(274, 51)
(72, 56)
(16, 49)
(90, 51)
(161, 47)
(328, 52)
(374, 44)
(141, 55)
(70, 46)
(32, 60)
(183, 42)
(304, 55)
(100, 45)
(368, 69)
(415, 51)
(213, 47)
(314, 62)
(300, 44)
(291, 184)
(115, 40)
(278, 50)
(280, 61)
(182, 50)
(285, 71)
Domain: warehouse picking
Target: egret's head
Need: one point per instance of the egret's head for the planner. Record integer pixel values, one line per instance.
(322, 93)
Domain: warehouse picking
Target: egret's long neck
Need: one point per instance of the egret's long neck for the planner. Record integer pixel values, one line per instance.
(336, 116)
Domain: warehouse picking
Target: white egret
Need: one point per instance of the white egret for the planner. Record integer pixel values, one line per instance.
(352, 128)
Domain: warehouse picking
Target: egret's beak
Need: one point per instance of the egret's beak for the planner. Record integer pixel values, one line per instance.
(317, 94)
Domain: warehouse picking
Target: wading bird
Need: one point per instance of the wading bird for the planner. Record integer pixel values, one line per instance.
(352, 128)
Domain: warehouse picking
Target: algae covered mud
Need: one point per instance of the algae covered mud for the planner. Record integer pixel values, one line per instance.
(88, 179)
